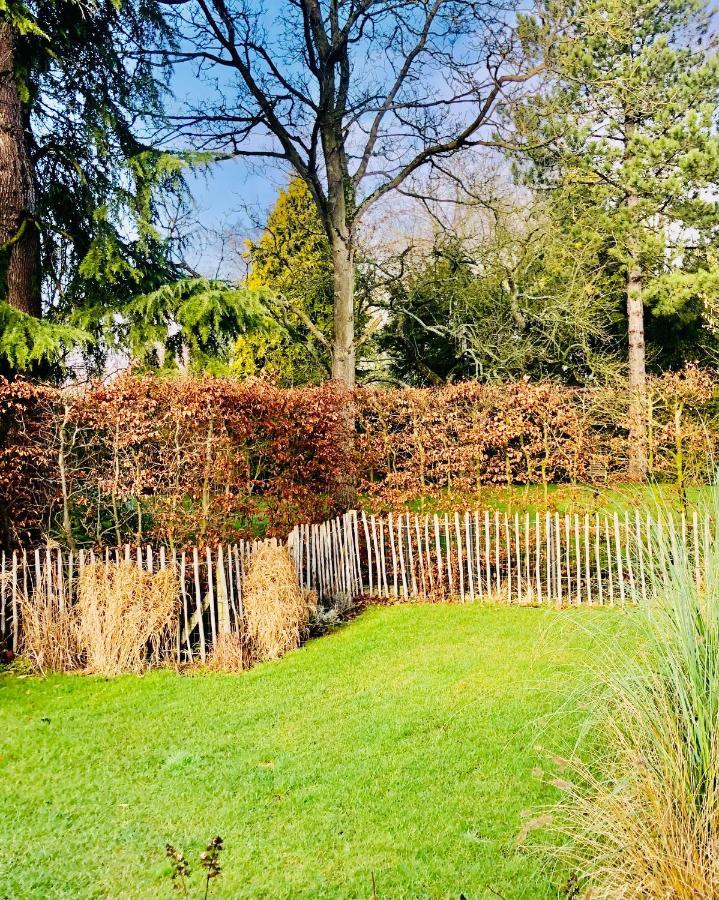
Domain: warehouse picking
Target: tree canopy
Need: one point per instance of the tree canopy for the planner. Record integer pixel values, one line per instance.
(291, 259)
(355, 96)
(627, 132)
(94, 223)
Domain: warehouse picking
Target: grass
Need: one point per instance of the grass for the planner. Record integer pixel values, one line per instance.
(561, 498)
(402, 745)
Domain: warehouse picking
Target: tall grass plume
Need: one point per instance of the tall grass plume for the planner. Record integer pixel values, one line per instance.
(49, 633)
(641, 819)
(275, 607)
(124, 615)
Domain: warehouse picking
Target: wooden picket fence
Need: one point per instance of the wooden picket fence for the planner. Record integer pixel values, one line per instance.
(522, 557)
(517, 558)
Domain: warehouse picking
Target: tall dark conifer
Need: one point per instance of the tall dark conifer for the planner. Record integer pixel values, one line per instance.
(81, 190)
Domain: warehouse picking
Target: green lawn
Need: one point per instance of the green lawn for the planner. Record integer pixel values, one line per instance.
(401, 745)
(561, 498)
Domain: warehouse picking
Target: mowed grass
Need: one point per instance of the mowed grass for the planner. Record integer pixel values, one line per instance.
(561, 498)
(403, 745)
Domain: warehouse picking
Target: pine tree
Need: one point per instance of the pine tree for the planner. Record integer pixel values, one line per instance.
(626, 135)
(81, 193)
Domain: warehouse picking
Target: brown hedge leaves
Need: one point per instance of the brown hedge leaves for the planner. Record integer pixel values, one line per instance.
(199, 460)
(183, 461)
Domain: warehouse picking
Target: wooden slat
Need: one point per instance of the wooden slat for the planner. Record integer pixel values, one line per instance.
(198, 603)
(438, 551)
(460, 565)
(448, 551)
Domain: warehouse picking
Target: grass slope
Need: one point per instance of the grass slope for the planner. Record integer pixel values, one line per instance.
(402, 745)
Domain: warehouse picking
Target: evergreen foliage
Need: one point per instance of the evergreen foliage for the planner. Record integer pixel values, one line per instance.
(292, 261)
(626, 144)
(191, 322)
(27, 343)
(103, 190)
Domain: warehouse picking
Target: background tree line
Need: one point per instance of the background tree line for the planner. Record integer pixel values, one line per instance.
(474, 191)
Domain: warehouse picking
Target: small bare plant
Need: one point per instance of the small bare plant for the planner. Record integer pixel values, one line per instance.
(210, 861)
(181, 871)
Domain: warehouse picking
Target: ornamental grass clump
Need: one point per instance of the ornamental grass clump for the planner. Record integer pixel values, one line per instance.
(642, 820)
(125, 615)
(49, 633)
(228, 653)
(275, 607)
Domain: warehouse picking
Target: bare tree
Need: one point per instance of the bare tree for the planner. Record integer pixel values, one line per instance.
(356, 96)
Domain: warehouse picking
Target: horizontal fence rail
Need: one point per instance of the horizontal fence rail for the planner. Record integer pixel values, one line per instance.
(539, 558)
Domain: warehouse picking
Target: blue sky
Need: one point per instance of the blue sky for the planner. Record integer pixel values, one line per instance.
(232, 193)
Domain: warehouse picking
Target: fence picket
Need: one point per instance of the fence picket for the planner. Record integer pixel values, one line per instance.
(448, 549)
(497, 572)
(438, 550)
(609, 561)
(587, 563)
(508, 548)
(468, 553)
(460, 566)
(558, 559)
(518, 557)
(620, 566)
(3, 591)
(15, 620)
(368, 545)
(420, 555)
(537, 556)
(488, 552)
(198, 603)
(400, 548)
(478, 555)
(410, 554)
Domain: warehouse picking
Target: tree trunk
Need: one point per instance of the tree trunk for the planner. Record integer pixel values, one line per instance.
(343, 339)
(19, 238)
(339, 231)
(637, 469)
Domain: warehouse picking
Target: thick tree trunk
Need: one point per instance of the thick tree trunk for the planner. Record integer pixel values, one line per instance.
(637, 469)
(343, 339)
(19, 239)
(339, 231)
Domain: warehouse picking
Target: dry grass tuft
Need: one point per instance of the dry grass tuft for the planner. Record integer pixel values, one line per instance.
(642, 819)
(276, 608)
(122, 613)
(49, 633)
(228, 653)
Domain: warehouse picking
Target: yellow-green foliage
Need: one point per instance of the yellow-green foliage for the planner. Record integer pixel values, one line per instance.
(292, 260)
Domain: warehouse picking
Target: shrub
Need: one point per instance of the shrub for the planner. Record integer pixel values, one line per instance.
(179, 461)
(276, 609)
(196, 461)
(122, 613)
(643, 819)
